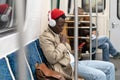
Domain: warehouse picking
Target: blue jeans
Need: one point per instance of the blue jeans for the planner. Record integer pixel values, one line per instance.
(105, 44)
(95, 70)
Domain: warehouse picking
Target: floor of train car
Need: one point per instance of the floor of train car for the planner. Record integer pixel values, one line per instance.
(117, 65)
(115, 61)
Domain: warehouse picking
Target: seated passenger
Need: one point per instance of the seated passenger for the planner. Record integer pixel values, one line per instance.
(58, 53)
(105, 44)
(81, 32)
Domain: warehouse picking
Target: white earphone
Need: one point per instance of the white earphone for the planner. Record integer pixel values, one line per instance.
(52, 22)
(5, 17)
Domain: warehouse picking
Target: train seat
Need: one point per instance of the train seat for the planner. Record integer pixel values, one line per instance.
(40, 51)
(13, 61)
(4, 70)
(32, 55)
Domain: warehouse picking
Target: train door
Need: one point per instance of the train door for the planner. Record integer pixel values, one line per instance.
(115, 23)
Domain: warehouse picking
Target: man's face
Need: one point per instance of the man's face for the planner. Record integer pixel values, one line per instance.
(80, 11)
(59, 25)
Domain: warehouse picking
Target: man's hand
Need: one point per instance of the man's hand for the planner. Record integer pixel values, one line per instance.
(63, 39)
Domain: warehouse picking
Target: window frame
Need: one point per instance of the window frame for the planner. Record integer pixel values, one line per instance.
(11, 27)
(93, 11)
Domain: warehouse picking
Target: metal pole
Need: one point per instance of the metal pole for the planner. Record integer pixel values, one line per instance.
(96, 25)
(90, 11)
(76, 39)
(19, 6)
(103, 6)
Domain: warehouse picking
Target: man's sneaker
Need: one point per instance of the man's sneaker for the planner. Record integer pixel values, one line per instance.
(117, 56)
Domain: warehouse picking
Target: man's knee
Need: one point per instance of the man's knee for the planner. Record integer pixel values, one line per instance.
(111, 66)
(104, 46)
(100, 76)
(107, 45)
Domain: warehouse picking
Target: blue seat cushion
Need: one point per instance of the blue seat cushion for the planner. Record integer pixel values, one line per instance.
(33, 56)
(40, 51)
(14, 64)
(4, 71)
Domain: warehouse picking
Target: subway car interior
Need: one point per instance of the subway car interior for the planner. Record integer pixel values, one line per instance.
(23, 21)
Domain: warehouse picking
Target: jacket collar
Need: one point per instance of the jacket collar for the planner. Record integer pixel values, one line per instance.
(52, 32)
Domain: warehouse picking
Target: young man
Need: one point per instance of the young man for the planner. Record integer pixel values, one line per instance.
(105, 44)
(57, 52)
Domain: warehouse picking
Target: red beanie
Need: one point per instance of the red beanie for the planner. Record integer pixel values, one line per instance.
(3, 8)
(56, 13)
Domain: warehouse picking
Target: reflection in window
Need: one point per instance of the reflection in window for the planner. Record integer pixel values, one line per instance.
(86, 5)
(6, 15)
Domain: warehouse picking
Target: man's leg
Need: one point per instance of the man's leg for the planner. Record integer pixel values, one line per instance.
(89, 73)
(96, 70)
(102, 40)
(105, 49)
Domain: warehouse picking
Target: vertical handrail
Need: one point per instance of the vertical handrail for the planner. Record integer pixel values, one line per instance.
(90, 12)
(96, 25)
(19, 6)
(76, 39)
(103, 6)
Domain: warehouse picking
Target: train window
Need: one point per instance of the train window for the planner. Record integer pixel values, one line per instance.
(7, 16)
(100, 4)
(55, 4)
(118, 8)
(68, 5)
